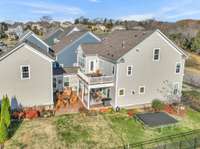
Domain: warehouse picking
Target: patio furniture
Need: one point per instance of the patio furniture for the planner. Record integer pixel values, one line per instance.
(106, 101)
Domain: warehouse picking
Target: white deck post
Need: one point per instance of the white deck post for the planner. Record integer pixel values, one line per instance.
(88, 102)
(78, 88)
(83, 92)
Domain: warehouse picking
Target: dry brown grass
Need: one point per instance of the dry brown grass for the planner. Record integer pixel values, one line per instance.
(40, 133)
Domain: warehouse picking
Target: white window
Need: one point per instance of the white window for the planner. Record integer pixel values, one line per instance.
(91, 66)
(156, 54)
(176, 89)
(25, 72)
(129, 70)
(121, 92)
(141, 89)
(178, 68)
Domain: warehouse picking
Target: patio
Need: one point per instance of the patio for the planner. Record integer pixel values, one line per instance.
(158, 119)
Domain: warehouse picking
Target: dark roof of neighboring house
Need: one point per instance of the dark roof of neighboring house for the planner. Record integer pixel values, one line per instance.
(49, 39)
(116, 44)
(65, 70)
(51, 56)
(66, 40)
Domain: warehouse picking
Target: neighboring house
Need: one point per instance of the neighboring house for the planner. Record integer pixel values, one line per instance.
(118, 28)
(55, 36)
(27, 76)
(66, 49)
(33, 38)
(14, 33)
(132, 68)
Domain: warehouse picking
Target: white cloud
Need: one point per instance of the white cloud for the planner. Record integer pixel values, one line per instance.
(94, 1)
(45, 8)
(137, 17)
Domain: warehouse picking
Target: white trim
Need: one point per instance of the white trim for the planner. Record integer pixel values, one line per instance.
(179, 69)
(101, 85)
(172, 44)
(143, 86)
(157, 60)
(120, 90)
(116, 87)
(16, 48)
(52, 88)
(29, 48)
(22, 38)
(41, 40)
(128, 70)
(97, 38)
(178, 89)
(29, 72)
(38, 53)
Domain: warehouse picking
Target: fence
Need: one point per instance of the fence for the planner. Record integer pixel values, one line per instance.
(187, 140)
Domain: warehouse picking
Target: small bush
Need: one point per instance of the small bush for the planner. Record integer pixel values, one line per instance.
(157, 105)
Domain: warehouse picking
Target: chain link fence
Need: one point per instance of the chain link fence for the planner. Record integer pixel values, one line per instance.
(188, 140)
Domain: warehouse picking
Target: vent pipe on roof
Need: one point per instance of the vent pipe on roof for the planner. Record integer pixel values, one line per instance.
(123, 44)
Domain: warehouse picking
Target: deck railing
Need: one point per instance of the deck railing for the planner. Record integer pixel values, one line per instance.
(96, 80)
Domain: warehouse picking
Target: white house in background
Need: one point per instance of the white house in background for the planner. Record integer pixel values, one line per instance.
(130, 68)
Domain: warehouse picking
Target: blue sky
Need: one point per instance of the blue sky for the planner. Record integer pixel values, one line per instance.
(165, 10)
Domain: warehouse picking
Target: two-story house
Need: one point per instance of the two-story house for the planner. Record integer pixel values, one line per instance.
(132, 68)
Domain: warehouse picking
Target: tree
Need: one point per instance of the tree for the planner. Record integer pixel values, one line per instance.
(3, 132)
(5, 111)
(4, 119)
(47, 19)
(196, 42)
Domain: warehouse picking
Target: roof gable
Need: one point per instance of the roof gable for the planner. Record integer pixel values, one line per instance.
(29, 47)
(72, 39)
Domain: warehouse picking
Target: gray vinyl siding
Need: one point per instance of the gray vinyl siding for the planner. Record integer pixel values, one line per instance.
(33, 92)
(37, 42)
(147, 72)
(68, 56)
(104, 66)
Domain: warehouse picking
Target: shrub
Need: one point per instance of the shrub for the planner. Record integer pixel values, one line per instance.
(157, 105)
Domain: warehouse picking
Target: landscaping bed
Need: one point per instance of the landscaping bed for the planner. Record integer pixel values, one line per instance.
(102, 130)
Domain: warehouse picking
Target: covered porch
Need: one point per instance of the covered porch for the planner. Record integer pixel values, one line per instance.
(95, 96)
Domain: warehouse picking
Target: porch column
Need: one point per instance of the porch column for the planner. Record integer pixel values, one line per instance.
(83, 92)
(78, 88)
(88, 100)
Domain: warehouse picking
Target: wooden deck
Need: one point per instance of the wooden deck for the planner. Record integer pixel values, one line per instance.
(70, 105)
(100, 106)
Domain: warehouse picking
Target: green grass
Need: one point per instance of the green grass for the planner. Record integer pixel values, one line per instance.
(108, 130)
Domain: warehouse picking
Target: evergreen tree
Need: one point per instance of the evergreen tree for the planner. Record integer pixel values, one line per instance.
(3, 132)
(196, 43)
(4, 119)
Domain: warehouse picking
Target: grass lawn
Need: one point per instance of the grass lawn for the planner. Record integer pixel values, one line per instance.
(101, 131)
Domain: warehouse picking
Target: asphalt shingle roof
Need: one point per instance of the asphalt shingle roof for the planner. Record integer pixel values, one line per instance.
(66, 40)
(116, 44)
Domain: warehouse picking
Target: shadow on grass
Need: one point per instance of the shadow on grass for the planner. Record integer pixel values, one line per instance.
(15, 125)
